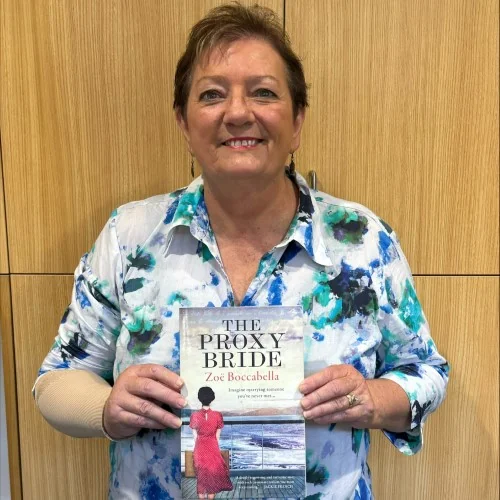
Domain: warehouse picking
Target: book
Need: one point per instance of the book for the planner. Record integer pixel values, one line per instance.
(243, 432)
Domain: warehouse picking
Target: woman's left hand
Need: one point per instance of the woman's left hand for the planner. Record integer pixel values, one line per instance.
(338, 394)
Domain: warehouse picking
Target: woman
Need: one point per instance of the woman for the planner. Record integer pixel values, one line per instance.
(212, 474)
(249, 232)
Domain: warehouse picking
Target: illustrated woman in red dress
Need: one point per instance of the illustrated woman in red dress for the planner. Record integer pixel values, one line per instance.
(212, 473)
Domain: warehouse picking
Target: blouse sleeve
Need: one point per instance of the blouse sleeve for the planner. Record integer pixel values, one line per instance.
(193, 421)
(407, 354)
(220, 421)
(89, 328)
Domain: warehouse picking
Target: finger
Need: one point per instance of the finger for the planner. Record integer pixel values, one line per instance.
(331, 390)
(160, 374)
(355, 415)
(330, 407)
(324, 376)
(150, 389)
(138, 421)
(151, 412)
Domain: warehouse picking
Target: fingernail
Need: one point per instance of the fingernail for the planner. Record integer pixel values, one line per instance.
(181, 402)
(302, 388)
(307, 414)
(179, 383)
(178, 422)
(306, 403)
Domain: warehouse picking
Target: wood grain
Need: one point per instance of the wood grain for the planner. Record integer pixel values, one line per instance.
(404, 119)
(86, 118)
(460, 455)
(4, 261)
(7, 339)
(53, 465)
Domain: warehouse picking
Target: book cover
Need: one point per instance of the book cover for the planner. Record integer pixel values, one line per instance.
(243, 433)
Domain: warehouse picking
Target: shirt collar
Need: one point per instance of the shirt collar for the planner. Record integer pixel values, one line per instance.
(306, 228)
(189, 209)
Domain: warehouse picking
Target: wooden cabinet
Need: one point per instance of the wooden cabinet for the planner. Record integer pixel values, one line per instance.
(53, 465)
(8, 365)
(4, 261)
(87, 119)
(460, 454)
(404, 120)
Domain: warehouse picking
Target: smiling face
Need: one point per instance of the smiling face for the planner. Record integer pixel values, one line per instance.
(239, 118)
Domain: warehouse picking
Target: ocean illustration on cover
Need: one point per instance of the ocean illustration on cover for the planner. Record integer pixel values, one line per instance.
(243, 433)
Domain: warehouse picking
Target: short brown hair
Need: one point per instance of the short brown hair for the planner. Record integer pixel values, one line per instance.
(229, 23)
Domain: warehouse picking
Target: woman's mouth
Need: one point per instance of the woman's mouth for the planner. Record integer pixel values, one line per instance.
(242, 143)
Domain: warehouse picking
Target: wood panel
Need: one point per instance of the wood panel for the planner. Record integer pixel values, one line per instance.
(53, 465)
(86, 117)
(4, 262)
(404, 119)
(460, 455)
(7, 339)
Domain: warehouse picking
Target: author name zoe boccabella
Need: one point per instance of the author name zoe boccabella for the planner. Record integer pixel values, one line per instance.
(237, 377)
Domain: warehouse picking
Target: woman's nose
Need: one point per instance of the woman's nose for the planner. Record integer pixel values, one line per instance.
(238, 112)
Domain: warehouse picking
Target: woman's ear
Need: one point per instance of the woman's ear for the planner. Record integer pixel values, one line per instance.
(182, 123)
(297, 129)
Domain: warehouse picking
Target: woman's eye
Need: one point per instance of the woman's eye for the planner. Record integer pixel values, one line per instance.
(264, 93)
(210, 95)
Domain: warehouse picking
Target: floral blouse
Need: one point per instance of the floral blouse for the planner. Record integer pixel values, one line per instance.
(338, 261)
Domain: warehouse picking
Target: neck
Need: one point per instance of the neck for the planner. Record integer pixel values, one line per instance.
(246, 208)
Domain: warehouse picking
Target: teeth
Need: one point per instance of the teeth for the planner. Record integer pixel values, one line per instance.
(244, 143)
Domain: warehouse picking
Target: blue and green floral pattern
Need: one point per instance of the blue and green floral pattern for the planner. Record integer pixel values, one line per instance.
(339, 261)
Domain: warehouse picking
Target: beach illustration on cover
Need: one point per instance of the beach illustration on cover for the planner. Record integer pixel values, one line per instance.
(243, 434)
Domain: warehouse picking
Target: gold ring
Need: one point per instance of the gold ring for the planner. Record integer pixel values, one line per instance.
(353, 400)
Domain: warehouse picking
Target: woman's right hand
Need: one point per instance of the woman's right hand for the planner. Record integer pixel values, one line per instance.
(136, 398)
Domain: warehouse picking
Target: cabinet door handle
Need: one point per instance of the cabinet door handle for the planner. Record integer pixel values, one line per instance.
(312, 179)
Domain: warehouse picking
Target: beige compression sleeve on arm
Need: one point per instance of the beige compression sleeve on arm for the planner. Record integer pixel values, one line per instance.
(72, 401)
